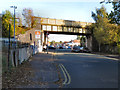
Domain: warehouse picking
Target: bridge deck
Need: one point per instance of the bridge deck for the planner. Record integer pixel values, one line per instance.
(67, 33)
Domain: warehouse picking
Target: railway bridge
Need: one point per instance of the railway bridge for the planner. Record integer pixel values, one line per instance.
(58, 26)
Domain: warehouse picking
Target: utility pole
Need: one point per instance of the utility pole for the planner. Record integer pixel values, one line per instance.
(15, 7)
(9, 48)
(47, 42)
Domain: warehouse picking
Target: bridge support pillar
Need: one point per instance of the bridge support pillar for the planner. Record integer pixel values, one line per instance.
(86, 42)
(89, 42)
(45, 41)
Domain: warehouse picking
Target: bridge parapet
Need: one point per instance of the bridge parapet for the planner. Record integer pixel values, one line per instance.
(59, 25)
(63, 22)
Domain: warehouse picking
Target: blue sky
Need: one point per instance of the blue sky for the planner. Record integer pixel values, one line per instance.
(60, 9)
(79, 11)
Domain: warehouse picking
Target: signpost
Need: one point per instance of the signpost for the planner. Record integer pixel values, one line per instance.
(38, 38)
(37, 34)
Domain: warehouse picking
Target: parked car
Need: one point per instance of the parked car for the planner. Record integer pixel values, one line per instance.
(44, 48)
(57, 47)
(68, 47)
(77, 49)
(86, 50)
(51, 47)
(60, 47)
(64, 47)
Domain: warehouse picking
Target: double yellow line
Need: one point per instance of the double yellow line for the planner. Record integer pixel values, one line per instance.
(66, 74)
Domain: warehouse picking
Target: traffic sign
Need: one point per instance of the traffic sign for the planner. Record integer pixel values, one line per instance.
(37, 34)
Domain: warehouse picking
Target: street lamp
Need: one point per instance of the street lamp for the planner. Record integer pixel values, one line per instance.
(47, 41)
(15, 7)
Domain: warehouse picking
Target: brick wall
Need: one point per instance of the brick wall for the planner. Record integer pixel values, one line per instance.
(25, 38)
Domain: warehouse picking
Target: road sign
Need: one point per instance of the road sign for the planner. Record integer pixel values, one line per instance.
(37, 34)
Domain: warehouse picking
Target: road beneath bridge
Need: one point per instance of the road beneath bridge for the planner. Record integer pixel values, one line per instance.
(85, 70)
(65, 69)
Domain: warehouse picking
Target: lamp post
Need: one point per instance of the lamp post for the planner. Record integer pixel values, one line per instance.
(15, 7)
(47, 41)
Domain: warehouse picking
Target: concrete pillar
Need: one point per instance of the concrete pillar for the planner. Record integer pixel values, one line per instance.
(89, 42)
(42, 38)
(39, 46)
(45, 38)
(86, 41)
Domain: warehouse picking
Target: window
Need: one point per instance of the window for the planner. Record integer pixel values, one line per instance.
(65, 29)
(54, 28)
(71, 29)
(76, 29)
(48, 28)
(44, 27)
(30, 36)
(80, 30)
(59, 28)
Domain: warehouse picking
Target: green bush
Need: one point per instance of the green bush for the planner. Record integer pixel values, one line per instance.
(118, 48)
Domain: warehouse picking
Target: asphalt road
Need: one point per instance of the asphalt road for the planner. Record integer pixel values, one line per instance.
(85, 70)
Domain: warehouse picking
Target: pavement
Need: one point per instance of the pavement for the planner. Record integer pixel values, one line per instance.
(98, 53)
(43, 71)
(108, 55)
(0, 69)
(39, 72)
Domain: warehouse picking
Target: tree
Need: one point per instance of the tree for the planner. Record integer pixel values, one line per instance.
(100, 26)
(82, 39)
(114, 16)
(34, 22)
(27, 13)
(78, 37)
(118, 43)
(52, 42)
(20, 21)
(30, 20)
(7, 19)
(112, 34)
(61, 42)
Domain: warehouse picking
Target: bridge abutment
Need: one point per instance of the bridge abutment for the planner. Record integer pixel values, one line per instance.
(89, 42)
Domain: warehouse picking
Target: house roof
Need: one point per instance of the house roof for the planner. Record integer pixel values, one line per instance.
(76, 41)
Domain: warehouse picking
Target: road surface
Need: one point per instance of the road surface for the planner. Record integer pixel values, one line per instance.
(85, 70)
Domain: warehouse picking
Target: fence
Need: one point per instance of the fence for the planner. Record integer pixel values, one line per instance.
(112, 49)
(17, 53)
(17, 56)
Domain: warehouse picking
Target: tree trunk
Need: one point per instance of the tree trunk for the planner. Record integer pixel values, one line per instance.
(99, 47)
